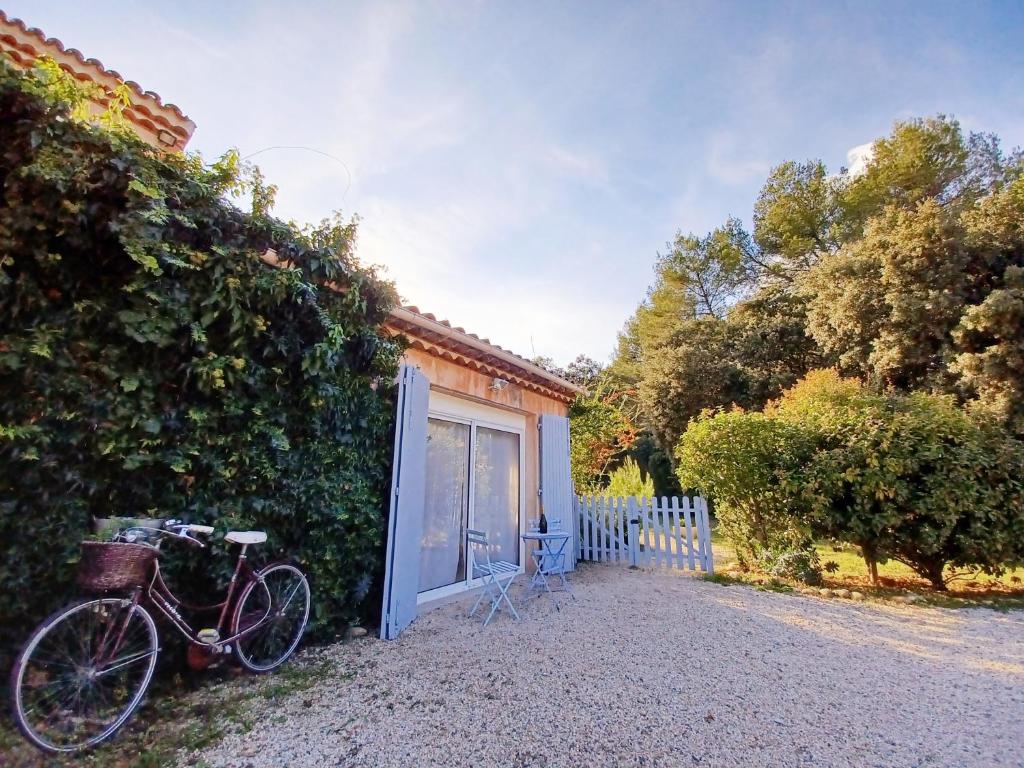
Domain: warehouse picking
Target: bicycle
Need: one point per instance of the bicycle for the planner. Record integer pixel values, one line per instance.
(85, 669)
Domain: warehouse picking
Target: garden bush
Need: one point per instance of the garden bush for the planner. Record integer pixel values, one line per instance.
(747, 463)
(151, 364)
(914, 478)
(909, 477)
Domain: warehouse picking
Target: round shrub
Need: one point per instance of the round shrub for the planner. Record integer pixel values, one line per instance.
(747, 464)
(913, 478)
(800, 564)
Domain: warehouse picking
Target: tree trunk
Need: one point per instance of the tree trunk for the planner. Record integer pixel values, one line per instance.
(933, 572)
(870, 561)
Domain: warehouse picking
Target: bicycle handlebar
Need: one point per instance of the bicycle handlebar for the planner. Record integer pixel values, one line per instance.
(175, 528)
(182, 528)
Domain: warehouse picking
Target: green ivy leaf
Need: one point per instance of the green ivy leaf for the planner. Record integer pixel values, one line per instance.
(143, 189)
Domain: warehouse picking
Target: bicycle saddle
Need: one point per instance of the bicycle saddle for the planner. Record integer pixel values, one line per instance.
(245, 537)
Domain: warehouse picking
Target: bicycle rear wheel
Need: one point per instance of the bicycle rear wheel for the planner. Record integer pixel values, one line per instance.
(83, 673)
(276, 603)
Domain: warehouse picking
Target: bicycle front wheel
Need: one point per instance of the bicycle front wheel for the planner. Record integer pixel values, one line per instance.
(83, 673)
(272, 613)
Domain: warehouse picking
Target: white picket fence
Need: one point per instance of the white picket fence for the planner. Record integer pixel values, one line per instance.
(651, 533)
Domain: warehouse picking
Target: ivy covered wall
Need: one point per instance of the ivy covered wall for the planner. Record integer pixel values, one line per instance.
(152, 364)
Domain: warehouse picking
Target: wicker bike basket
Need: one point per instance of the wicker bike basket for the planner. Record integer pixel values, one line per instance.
(109, 565)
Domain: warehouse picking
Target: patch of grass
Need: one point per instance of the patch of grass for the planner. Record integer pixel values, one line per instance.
(722, 578)
(172, 721)
(757, 582)
(846, 570)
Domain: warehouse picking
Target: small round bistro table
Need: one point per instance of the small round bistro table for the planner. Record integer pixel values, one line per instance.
(550, 558)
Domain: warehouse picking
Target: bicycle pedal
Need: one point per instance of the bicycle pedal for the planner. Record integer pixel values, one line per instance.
(210, 636)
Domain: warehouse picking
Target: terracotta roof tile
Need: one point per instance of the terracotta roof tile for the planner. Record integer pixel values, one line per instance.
(528, 363)
(54, 42)
(25, 44)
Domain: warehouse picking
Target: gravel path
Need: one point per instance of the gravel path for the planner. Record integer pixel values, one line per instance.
(660, 669)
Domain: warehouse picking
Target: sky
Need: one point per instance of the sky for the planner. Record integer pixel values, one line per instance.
(517, 166)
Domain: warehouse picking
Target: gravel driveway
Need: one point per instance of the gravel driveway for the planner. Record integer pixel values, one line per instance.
(661, 669)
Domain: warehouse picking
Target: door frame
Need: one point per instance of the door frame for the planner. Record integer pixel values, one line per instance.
(474, 415)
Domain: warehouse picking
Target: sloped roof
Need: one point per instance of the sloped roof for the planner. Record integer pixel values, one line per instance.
(160, 123)
(439, 337)
(425, 331)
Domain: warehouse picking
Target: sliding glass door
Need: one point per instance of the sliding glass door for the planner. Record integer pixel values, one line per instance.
(496, 491)
(474, 480)
(446, 506)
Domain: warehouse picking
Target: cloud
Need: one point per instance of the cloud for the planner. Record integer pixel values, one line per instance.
(440, 258)
(578, 164)
(858, 158)
(729, 163)
(692, 211)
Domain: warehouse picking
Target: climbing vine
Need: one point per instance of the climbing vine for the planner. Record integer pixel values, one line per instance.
(152, 363)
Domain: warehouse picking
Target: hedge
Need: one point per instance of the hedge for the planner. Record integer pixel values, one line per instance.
(152, 364)
(914, 478)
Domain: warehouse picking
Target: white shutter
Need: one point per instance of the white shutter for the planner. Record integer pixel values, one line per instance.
(405, 516)
(556, 490)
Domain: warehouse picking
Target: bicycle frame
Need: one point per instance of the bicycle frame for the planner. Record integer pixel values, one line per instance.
(160, 595)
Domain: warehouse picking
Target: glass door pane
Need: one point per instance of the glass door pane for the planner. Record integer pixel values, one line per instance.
(496, 491)
(446, 510)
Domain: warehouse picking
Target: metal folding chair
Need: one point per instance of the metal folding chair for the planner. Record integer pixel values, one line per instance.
(497, 574)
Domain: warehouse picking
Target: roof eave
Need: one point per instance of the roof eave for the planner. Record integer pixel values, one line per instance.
(407, 316)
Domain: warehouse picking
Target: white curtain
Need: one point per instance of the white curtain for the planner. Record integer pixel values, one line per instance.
(496, 491)
(446, 511)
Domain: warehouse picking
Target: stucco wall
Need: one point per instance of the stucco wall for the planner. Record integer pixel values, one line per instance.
(454, 379)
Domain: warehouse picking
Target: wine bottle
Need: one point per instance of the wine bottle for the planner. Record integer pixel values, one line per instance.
(543, 522)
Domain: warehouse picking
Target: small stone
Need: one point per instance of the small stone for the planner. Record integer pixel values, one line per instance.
(825, 592)
(842, 593)
(355, 632)
(857, 595)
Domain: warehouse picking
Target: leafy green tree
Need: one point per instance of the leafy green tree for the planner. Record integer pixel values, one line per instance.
(924, 159)
(681, 380)
(990, 360)
(628, 480)
(584, 371)
(769, 343)
(887, 303)
(931, 234)
(656, 463)
(845, 308)
(600, 433)
(796, 218)
(906, 275)
(711, 271)
(908, 477)
(913, 478)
